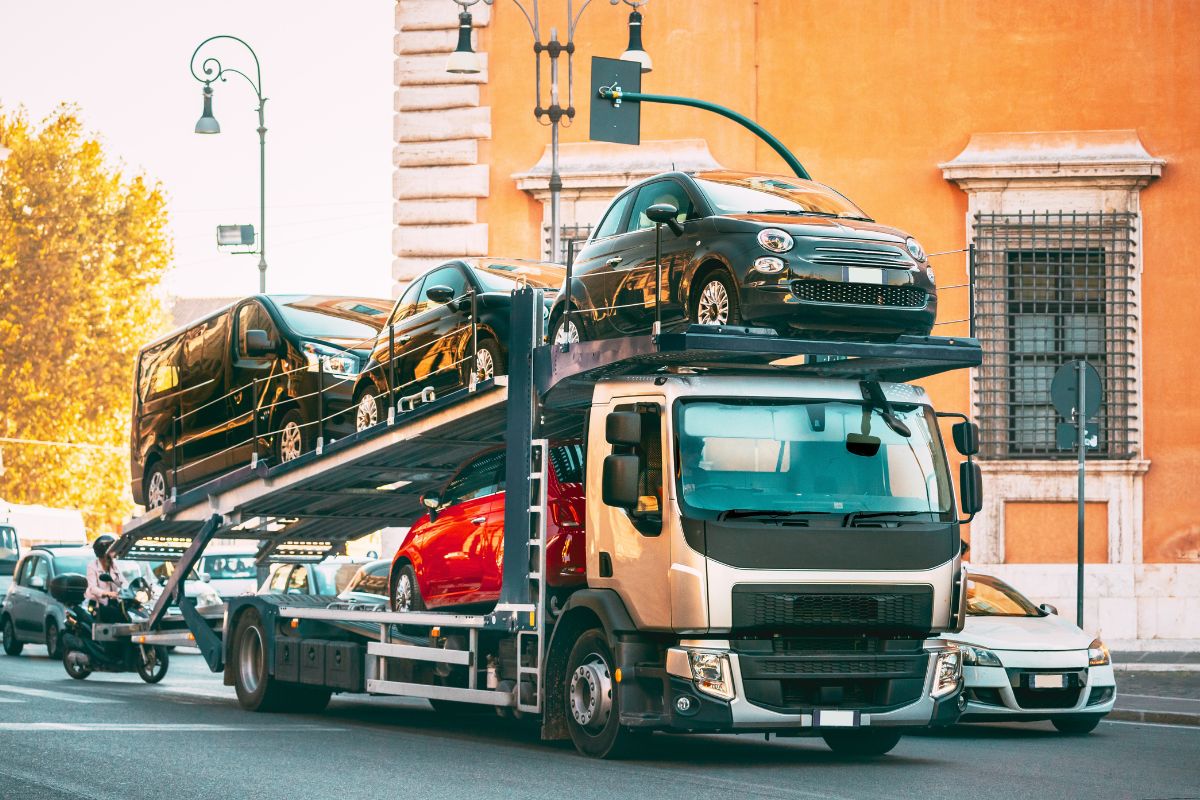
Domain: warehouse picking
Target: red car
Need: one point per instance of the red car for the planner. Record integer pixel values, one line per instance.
(454, 555)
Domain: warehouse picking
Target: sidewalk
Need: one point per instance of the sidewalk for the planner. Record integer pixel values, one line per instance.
(1157, 687)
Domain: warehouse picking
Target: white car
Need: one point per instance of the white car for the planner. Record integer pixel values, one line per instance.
(1023, 662)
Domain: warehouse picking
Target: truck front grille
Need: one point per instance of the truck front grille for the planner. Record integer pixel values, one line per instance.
(860, 294)
(907, 609)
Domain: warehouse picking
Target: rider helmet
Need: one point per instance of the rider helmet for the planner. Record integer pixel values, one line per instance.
(101, 545)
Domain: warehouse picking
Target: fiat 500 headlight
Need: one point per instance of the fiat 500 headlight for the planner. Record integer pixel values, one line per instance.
(914, 249)
(775, 240)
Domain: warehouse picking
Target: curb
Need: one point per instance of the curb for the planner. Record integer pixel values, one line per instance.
(1135, 666)
(1157, 717)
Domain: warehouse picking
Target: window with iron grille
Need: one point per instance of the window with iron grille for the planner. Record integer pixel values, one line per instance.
(1053, 287)
(568, 233)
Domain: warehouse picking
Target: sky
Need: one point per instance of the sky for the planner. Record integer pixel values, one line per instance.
(327, 74)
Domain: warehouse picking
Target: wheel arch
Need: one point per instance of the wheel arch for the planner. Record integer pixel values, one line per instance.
(709, 263)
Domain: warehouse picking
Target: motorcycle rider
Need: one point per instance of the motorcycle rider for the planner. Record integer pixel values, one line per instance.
(105, 593)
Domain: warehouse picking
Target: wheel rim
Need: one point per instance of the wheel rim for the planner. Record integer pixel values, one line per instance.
(51, 639)
(250, 659)
(289, 442)
(368, 412)
(591, 693)
(485, 365)
(151, 664)
(156, 491)
(566, 333)
(713, 306)
(10, 634)
(403, 599)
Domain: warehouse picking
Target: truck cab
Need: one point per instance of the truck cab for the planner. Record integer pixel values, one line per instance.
(786, 545)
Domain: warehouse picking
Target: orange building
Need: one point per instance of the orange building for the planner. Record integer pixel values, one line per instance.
(1062, 140)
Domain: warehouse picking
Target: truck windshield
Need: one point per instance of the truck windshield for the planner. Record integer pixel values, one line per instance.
(798, 457)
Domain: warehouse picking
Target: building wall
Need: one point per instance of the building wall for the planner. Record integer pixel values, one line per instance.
(872, 97)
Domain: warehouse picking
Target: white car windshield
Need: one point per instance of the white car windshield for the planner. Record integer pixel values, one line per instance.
(992, 597)
(795, 456)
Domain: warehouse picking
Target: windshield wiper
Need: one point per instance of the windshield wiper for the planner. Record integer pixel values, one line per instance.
(749, 513)
(854, 516)
(797, 212)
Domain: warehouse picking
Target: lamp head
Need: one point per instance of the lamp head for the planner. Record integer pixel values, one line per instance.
(464, 60)
(207, 122)
(635, 51)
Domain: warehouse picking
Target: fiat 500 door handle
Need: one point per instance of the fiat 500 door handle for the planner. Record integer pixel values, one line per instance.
(612, 262)
(478, 520)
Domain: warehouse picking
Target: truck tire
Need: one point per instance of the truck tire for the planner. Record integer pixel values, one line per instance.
(593, 701)
(12, 645)
(862, 742)
(256, 689)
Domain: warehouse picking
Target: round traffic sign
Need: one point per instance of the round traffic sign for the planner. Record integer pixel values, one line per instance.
(1065, 387)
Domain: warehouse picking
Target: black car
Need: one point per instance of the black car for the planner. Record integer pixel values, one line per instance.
(243, 381)
(746, 249)
(433, 341)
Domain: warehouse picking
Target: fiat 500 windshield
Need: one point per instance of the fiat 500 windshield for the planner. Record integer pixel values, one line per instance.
(787, 458)
(777, 196)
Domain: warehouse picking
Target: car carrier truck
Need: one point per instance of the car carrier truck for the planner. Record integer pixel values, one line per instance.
(772, 544)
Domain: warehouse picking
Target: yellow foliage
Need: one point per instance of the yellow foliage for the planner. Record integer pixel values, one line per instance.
(82, 252)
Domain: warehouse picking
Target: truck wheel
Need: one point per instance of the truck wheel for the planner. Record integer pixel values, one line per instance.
(1076, 725)
(12, 645)
(256, 689)
(593, 701)
(862, 742)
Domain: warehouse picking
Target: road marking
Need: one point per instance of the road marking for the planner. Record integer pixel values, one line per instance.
(1152, 725)
(1161, 697)
(128, 727)
(10, 700)
(49, 695)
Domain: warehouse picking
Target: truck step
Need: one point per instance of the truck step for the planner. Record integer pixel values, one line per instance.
(480, 696)
(439, 654)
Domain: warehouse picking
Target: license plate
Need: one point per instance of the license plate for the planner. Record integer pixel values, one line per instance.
(835, 719)
(864, 275)
(1046, 681)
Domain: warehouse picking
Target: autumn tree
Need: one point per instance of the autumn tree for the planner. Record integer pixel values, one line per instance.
(83, 248)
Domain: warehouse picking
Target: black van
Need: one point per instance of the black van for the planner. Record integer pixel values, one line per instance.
(244, 381)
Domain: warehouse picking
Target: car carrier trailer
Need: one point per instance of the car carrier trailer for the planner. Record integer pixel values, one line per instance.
(738, 621)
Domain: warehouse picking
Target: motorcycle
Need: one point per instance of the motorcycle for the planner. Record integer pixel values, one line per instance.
(83, 655)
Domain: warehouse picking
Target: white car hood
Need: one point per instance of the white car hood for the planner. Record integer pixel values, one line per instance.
(1051, 632)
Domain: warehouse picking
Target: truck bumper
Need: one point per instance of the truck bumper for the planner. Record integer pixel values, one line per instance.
(688, 709)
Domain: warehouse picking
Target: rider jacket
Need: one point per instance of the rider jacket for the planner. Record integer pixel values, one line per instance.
(97, 588)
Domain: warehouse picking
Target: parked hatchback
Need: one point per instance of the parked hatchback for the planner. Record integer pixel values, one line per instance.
(454, 555)
(746, 249)
(243, 381)
(433, 342)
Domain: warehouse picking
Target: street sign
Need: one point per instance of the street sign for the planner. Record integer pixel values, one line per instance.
(1064, 388)
(1065, 436)
(619, 121)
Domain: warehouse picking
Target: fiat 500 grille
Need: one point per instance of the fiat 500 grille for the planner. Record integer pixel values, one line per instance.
(860, 294)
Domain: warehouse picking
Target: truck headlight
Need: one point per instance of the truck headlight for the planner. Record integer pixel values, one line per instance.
(775, 240)
(973, 656)
(1098, 654)
(947, 672)
(711, 673)
(338, 363)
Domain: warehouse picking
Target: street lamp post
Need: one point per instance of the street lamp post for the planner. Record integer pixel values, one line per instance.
(462, 60)
(213, 70)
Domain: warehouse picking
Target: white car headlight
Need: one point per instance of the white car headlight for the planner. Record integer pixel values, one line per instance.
(1098, 654)
(775, 240)
(973, 656)
(338, 363)
(947, 672)
(914, 249)
(711, 673)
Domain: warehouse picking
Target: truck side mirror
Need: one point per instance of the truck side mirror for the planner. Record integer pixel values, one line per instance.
(259, 344)
(966, 438)
(623, 428)
(620, 481)
(970, 488)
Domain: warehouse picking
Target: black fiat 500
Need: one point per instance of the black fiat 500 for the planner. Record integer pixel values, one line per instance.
(432, 342)
(749, 250)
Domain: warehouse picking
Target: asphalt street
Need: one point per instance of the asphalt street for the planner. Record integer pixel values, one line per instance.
(112, 736)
